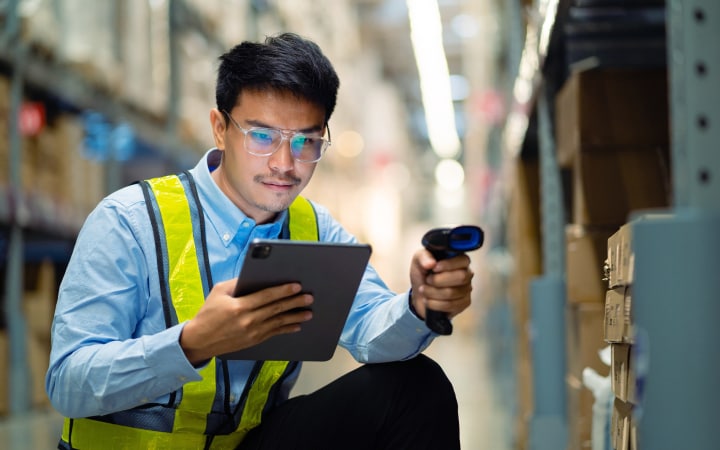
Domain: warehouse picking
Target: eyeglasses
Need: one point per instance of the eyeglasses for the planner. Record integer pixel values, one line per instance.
(262, 141)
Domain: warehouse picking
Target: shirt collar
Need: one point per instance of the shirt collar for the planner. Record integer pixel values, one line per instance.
(227, 220)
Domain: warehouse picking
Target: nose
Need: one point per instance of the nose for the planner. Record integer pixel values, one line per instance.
(282, 160)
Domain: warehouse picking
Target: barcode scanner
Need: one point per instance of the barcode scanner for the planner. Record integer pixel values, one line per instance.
(444, 243)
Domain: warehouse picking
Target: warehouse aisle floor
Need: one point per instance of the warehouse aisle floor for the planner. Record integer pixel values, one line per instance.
(484, 418)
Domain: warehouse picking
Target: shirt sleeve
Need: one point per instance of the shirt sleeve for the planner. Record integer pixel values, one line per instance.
(111, 350)
(381, 327)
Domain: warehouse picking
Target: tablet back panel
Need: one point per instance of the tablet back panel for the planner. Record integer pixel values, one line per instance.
(331, 272)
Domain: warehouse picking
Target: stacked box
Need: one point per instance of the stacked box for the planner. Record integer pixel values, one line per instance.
(611, 109)
(38, 306)
(618, 332)
(4, 373)
(622, 427)
(612, 134)
(585, 254)
(585, 288)
(584, 340)
(4, 114)
(524, 245)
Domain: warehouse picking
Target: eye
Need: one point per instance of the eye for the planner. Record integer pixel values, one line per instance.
(312, 140)
(263, 136)
(299, 140)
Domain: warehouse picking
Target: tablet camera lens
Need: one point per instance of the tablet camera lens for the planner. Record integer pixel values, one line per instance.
(261, 251)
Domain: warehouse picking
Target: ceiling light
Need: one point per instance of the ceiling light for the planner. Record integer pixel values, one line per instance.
(426, 36)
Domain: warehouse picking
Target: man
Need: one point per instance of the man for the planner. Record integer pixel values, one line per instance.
(146, 303)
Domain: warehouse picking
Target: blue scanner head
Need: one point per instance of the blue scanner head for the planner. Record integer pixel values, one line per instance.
(465, 238)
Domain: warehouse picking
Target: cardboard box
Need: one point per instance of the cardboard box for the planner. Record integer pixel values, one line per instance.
(4, 373)
(621, 108)
(584, 336)
(4, 137)
(584, 339)
(39, 298)
(633, 435)
(38, 305)
(618, 315)
(524, 246)
(586, 250)
(621, 259)
(620, 254)
(623, 373)
(609, 185)
(524, 236)
(620, 425)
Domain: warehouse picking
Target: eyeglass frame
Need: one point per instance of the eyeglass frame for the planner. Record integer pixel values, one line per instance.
(284, 137)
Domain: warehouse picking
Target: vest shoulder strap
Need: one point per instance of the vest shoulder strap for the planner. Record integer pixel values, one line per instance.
(302, 220)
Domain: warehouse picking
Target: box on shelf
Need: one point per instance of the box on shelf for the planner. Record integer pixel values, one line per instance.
(621, 425)
(621, 108)
(4, 93)
(38, 305)
(586, 250)
(584, 336)
(584, 340)
(524, 245)
(620, 257)
(618, 315)
(524, 217)
(4, 373)
(623, 373)
(610, 184)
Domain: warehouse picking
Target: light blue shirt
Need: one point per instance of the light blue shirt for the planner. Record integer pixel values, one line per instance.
(111, 350)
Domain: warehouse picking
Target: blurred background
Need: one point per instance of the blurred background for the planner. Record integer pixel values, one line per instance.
(546, 122)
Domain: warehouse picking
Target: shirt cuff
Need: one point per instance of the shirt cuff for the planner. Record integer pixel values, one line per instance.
(167, 359)
(413, 319)
(411, 307)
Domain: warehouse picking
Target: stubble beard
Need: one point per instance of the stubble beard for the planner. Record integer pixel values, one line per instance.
(282, 200)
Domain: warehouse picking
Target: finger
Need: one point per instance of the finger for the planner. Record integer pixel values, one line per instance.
(283, 306)
(446, 293)
(451, 306)
(450, 278)
(226, 287)
(269, 295)
(425, 260)
(285, 323)
(461, 261)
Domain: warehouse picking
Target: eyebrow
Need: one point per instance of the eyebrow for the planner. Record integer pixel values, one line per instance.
(313, 129)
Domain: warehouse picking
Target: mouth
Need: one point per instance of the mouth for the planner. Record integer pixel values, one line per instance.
(278, 185)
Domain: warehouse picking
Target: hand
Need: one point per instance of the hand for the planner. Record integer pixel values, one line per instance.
(226, 323)
(443, 286)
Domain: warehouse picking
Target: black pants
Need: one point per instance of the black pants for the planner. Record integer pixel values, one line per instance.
(399, 405)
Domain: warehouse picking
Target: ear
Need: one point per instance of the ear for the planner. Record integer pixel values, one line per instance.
(217, 122)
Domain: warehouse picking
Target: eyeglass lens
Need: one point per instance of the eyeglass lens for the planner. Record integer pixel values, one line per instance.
(264, 141)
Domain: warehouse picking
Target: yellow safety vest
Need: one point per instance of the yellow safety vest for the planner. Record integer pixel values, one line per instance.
(178, 223)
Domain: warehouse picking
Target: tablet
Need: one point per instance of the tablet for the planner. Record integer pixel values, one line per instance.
(331, 272)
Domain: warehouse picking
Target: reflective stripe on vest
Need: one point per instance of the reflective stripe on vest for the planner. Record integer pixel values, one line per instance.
(187, 290)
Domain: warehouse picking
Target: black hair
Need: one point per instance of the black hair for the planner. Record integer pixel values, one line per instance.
(285, 62)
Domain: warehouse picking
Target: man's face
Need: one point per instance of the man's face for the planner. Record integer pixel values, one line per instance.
(262, 186)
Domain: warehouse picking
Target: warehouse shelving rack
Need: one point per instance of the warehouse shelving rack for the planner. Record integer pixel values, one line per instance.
(677, 288)
(676, 291)
(35, 227)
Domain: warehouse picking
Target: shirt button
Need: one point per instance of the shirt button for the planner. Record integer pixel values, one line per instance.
(226, 237)
(418, 330)
(245, 224)
(182, 378)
